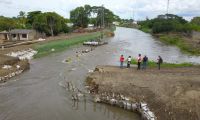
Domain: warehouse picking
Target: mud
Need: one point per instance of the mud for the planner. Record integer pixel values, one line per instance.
(170, 93)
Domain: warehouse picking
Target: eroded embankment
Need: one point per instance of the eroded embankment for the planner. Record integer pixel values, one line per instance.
(171, 93)
(11, 66)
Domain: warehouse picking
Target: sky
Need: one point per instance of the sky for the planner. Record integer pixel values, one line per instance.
(135, 9)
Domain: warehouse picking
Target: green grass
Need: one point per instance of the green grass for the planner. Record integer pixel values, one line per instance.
(165, 65)
(179, 42)
(61, 45)
(145, 29)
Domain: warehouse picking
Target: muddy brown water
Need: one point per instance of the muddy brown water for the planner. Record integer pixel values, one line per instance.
(40, 93)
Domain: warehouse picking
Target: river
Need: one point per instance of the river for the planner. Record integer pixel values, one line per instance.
(40, 93)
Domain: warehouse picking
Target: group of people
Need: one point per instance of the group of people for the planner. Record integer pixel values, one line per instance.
(141, 61)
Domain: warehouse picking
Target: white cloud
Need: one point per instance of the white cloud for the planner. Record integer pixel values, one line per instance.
(125, 9)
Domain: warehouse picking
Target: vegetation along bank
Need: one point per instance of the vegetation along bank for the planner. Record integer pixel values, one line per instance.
(174, 30)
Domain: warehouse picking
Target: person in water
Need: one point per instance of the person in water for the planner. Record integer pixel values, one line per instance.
(121, 61)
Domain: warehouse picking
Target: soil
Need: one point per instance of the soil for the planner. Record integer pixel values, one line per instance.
(171, 93)
(12, 61)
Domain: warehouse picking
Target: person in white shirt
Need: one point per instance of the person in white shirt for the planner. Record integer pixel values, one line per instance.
(139, 60)
(129, 62)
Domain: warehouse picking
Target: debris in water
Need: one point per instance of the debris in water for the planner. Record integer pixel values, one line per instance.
(85, 51)
(52, 49)
(68, 60)
(73, 69)
(90, 71)
(97, 98)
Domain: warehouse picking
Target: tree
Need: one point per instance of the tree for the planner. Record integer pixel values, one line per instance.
(80, 16)
(196, 20)
(166, 23)
(31, 16)
(50, 23)
(7, 23)
(22, 19)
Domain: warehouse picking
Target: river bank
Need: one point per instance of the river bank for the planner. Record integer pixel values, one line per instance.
(11, 59)
(11, 66)
(171, 93)
(186, 43)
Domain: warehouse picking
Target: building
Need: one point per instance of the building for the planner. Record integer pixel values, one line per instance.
(22, 34)
(17, 35)
(4, 36)
(116, 23)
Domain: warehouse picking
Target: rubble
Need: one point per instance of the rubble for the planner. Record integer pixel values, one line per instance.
(6, 67)
(10, 75)
(23, 54)
(125, 103)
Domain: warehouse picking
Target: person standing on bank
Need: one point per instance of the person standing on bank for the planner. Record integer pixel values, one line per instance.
(160, 61)
(139, 60)
(129, 62)
(144, 62)
(121, 61)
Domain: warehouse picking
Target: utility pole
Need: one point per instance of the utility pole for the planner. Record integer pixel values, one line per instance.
(102, 21)
(102, 16)
(167, 8)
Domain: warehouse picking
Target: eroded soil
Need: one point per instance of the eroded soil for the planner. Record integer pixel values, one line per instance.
(171, 93)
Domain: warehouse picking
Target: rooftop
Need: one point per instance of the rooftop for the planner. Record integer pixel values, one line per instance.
(23, 31)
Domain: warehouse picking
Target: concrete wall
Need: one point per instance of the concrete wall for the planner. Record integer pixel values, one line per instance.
(32, 35)
(29, 36)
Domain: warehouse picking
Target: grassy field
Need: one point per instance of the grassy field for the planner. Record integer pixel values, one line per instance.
(166, 65)
(179, 42)
(60, 45)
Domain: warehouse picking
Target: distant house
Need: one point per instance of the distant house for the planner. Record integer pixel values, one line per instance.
(17, 34)
(22, 34)
(4, 36)
(116, 23)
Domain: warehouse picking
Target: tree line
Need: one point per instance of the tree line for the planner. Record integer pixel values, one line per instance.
(170, 23)
(51, 23)
(99, 16)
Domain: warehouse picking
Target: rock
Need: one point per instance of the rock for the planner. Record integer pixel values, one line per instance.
(97, 99)
(6, 67)
(17, 66)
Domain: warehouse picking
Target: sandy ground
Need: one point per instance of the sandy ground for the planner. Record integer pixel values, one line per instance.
(171, 93)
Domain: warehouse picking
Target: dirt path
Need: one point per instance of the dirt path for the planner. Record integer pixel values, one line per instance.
(172, 93)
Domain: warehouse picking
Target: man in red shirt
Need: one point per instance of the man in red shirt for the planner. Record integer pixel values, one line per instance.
(121, 61)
